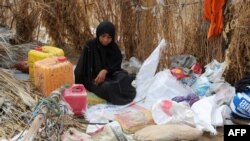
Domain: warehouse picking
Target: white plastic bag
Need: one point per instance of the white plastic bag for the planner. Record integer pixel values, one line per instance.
(149, 66)
(162, 86)
(203, 114)
(201, 86)
(214, 70)
(134, 62)
(168, 111)
(222, 113)
(224, 94)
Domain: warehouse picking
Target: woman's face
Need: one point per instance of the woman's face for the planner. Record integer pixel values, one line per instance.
(105, 39)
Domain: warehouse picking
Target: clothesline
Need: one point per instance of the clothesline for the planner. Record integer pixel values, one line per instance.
(140, 7)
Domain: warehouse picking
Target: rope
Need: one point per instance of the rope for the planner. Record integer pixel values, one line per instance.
(51, 103)
(55, 108)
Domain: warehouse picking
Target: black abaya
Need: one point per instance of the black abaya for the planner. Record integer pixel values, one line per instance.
(116, 88)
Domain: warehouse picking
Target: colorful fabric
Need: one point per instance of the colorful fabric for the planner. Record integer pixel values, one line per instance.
(190, 99)
(213, 12)
(240, 105)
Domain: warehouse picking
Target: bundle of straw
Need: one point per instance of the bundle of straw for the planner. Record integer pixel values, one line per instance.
(10, 83)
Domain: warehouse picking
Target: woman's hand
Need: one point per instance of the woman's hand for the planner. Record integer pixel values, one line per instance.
(100, 77)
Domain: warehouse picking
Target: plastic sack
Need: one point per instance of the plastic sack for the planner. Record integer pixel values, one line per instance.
(134, 62)
(203, 110)
(168, 132)
(214, 70)
(222, 114)
(201, 86)
(224, 94)
(135, 118)
(110, 132)
(101, 113)
(149, 66)
(240, 105)
(213, 110)
(162, 86)
(151, 86)
(221, 111)
(168, 111)
(132, 66)
(74, 135)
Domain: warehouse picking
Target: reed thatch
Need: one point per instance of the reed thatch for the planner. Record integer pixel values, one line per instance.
(5, 56)
(186, 31)
(146, 29)
(128, 26)
(66, 22)
(140, 25)
(26, 15)
(16, 102)
(11, 54)
(237, 33)
(5, 13)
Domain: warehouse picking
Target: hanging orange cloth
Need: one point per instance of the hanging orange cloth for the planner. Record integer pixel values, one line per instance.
(213, 12)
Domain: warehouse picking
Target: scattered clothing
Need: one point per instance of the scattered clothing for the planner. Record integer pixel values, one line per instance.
(213, 12)
(243, 84)
(240, 105)
(184, 61)
(190, 99)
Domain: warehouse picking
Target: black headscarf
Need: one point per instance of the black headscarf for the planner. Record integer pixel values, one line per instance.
(106, 27)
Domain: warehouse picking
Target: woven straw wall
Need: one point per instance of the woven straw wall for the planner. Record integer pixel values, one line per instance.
(140, 24)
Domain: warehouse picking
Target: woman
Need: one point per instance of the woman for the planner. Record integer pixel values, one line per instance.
(99, 68)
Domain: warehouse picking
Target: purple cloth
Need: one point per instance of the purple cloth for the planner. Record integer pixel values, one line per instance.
(190, 99)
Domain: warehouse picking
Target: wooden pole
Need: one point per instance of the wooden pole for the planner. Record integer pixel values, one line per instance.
(37, 122)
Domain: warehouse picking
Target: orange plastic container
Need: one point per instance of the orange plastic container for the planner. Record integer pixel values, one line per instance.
(76, 97)
(40, 53)
(51, 73)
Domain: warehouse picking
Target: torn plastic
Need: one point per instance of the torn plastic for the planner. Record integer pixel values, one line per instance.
(168, 111)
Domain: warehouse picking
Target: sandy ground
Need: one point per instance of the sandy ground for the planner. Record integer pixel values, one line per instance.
(207, 137)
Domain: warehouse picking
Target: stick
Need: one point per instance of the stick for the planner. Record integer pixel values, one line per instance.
(32, 132)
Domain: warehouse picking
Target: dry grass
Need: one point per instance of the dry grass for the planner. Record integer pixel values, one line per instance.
(17, 98)
(26, 15)
(238, 33)
(11, 54)
(5, 56)
(5, 12)
(140, 25)
(146, 30)
(66, 22)
(127, 27)
(17, 103)
(186, 32)
(9, 83)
